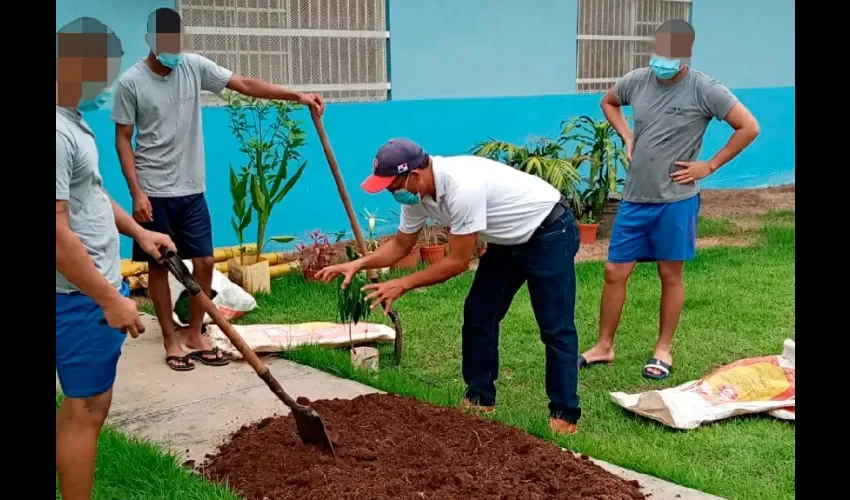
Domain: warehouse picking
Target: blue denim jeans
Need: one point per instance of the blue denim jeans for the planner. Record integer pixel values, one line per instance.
(546, 262)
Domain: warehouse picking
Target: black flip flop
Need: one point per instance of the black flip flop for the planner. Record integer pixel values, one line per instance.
(583, 363)
(188, 366)
(204, 357)
(658, 365)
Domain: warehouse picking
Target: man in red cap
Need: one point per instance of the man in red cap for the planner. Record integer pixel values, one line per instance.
(532, 237)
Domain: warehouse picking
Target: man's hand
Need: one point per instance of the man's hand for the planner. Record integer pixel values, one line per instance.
(384, 293)
(151, 242)
(142, 209)
(314, 101)
(691, 171)
(630, 146)
(347, 270)
(120, 313)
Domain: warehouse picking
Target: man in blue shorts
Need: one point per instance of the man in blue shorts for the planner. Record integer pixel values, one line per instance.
(160, 99)
(93, 310)
(672, 106)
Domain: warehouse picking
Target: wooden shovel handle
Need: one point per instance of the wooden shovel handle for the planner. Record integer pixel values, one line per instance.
(340, 186)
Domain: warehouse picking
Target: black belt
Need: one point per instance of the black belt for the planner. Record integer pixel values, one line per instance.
(557, 211)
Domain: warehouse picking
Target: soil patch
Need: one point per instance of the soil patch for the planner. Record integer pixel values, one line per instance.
(390, 447)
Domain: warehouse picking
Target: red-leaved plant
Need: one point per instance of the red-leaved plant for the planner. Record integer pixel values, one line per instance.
(315, 254)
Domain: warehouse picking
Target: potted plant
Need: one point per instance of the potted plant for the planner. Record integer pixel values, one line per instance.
(433, 242)
(271, 139)
(544, 157)
(316, 254)
(604, 150)
(409, 261)
(587, 228)
(352, 307)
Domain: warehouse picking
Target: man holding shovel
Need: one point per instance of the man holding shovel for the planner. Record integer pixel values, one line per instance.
(532, 237)
(93, 310)
(657, 220)
(160, 99)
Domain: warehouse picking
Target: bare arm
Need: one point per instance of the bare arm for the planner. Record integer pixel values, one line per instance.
(261, 89)
(746, 130)
(74, 262)
(390, 252)
(460, 253)
(613, 110)
(126, 156)
(125, 223)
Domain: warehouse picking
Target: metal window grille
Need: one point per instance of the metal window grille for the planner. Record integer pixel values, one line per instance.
(334, 47)
(616, 36)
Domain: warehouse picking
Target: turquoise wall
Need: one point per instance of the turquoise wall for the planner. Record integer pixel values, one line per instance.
(440, 61)
(745, 43)
(443, 127)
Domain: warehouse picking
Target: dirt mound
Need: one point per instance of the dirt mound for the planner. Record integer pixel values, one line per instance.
(389, 447)
(735, 202)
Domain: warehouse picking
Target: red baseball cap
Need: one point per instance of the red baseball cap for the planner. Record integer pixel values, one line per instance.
(396, 157)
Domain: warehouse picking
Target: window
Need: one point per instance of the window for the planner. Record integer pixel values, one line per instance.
(334, 47)
(615, 37)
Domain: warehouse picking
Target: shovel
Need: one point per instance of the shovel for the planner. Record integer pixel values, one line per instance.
(311, 429)
(355, 224)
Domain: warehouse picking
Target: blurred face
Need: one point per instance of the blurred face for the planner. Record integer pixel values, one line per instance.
(166, 43)
(674, 45)
(85, 65)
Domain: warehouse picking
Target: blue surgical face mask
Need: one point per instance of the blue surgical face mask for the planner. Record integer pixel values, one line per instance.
(663, 67)
(99, 100)
(170, 60)
(405, 197)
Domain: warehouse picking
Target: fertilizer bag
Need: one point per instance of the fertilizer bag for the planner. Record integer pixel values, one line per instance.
(231, 300)
(753, 385)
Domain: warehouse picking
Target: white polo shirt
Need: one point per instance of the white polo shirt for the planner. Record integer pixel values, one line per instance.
(474, 194)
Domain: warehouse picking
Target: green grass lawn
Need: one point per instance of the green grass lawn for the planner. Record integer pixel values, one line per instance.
(740, 303)
(129, 468)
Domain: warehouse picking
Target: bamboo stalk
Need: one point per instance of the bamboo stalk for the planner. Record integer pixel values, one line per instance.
(133, 268)
(140, 281)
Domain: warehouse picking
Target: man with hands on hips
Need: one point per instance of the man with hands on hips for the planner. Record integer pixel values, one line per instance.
(532, 237)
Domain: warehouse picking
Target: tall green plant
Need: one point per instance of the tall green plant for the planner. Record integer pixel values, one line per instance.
(604, 150)
(271, 140)
(351, 301)
(543, 157)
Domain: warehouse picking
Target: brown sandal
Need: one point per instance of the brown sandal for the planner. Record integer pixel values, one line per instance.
(188, 365)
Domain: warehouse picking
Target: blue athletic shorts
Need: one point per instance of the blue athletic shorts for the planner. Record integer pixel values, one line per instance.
(186, 219)
(649, 232)
(86, 351)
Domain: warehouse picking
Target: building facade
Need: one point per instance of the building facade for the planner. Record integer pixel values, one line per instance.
(449, 74)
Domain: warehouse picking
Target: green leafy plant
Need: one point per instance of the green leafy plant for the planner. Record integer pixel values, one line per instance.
(605, 153)
(271, 140)
(544, 157)
(351, 301)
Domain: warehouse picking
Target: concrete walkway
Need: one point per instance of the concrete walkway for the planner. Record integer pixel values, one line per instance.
(191, 413)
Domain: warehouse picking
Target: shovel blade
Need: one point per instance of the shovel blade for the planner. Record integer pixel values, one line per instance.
(311, 429)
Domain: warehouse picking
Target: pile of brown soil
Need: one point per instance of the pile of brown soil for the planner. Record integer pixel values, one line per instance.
(389, 447)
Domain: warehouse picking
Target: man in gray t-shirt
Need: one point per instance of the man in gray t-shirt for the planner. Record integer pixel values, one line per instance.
(93, 312)
(672, 106)
(160, 99)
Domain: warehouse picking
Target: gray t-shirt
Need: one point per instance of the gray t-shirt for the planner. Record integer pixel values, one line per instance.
(670, 123)
(78, 182)
(166, 111)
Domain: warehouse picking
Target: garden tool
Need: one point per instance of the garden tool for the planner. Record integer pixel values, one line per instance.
(355, 224)
(310, 427)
